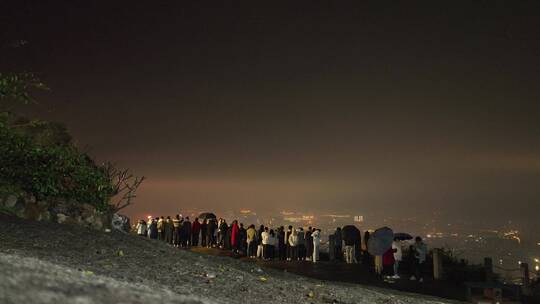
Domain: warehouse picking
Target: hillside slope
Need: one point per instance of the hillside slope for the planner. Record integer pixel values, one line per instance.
(52, 263)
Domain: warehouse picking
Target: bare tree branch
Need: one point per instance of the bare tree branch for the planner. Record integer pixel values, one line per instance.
(125, 185)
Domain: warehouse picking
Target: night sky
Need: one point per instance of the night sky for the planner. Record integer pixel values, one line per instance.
(308, 106)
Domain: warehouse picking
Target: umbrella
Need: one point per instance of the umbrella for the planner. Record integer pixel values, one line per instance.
(350, 234)
(380, 241)
(401, 236)
(207, 216)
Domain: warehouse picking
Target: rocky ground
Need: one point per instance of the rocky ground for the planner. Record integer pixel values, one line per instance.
(52, 263)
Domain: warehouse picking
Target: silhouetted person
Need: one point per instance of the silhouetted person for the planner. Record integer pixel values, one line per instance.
(223, 229)
(288, 233)
(234, 235)
(176, 230)
(419, 254)
(204, 232)
(398, 255)
(282, 250)
(227, 239)
(309, 243)
(160, 228)
(141, 228)
(265, 236)
(338, 247)
(301, 244)
(272, 242)
(168, 226)
(316, 240)
(367, 259)
(251, 240)
(211, 233)
(242, 236)
(388, 262)
(293, 243)
(195, 231)
(152, 229)
(186, 232)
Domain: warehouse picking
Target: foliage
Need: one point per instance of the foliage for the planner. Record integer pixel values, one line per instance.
(17, 86)
(35, 163)
(7, 211)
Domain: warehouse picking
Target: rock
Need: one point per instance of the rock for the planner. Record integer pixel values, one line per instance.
(120, 222)
(98, 221)
(87, 210)
(10, 201)
(33, 211)
(61, 218)
(30, 199)
(44, 216)
(60, 207)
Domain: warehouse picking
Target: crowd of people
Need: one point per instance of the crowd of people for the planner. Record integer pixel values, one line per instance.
(262, 242)
(286, 244)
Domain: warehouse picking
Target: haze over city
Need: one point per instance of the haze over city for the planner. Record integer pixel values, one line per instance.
(321, 108)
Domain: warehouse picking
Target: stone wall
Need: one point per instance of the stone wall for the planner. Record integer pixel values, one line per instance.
(60, 211)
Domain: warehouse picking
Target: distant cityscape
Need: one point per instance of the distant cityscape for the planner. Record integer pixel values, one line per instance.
(506, 245)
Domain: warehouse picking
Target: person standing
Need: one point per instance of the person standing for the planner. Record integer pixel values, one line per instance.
(259, 233)
(195, 231)
(234, 236)
(242, 237)
(141, 228)
(388, 263)
(220, 234)
(301, 244)
(338, 247)
(350, 241)
(212, 231)
(420, 252)
(316, 239)
(272, 242)
(287, 244)
(309, 243)
(186, 231)
(223, 229)
(265, 243)
(176, 230)
(398, 255)
(293, 243)
(160, 228)
(204, 231)
(152, 229)
(228, 238)
(251, 241)
(281, 243)
(168, 226)
(366, 256)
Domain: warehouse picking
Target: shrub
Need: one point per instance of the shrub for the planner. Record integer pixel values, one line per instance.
(50, 171)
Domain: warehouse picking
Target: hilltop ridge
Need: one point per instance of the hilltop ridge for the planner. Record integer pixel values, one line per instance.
(73, 264)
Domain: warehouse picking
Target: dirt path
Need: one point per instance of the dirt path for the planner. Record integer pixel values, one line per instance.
(51, 263)
(348, 273)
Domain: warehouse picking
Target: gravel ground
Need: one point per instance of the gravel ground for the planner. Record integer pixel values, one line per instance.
(52, 263)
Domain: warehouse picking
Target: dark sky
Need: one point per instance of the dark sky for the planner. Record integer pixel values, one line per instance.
(318, 106)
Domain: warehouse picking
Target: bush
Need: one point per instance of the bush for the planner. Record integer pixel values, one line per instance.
(34, 161)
